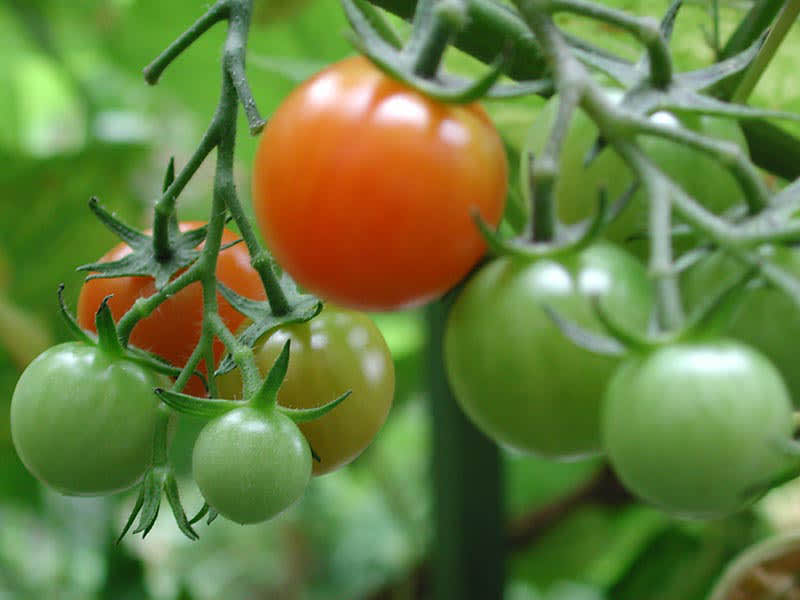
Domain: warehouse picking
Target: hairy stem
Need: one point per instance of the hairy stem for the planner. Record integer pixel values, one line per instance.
(215, 14)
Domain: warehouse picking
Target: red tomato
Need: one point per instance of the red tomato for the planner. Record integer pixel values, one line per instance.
(173, 330)
(363, 188)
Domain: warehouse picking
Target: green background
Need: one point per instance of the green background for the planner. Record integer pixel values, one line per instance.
(76, 120)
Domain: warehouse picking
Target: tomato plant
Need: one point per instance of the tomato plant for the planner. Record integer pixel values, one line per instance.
(363, 188)
(577, 187)
(250, 465)
(83, 421)
(173, 330)
(514, 373)
(696, 428)
(763, 317)
(337, 351)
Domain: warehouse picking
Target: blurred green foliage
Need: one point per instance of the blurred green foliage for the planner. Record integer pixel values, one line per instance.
(77, 120)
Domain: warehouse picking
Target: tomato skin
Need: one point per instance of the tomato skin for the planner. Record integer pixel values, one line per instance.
(766, 318)
(577, 187)
(250, 466)
(338, 350)
(695, 428)
(173, 330)
(363, 188)
(517, 377)
(83, 422)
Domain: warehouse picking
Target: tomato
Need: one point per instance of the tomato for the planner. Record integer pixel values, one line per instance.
(83, 422)
(696, 428)
(174, 328)
(338, 350)
(363, 188)
(250, 466)
(515, 375)
(766, 318)
(577, 187)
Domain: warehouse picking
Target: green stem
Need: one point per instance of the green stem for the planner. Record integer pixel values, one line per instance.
(544, 172)
(259, 257)
(440, 20)
(489, 27)
(469, 546)
(786, 19)
(165, 206)
(726, 153)
(161, 436)
(143, 307)
(218, 12)
(670, 309)
(645, 29)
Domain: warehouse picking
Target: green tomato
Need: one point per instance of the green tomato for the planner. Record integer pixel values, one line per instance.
(515, 375)
(577, 187)
(696, 428)
(82, 421)
(764, 318)
(251, 465)
(338, 350)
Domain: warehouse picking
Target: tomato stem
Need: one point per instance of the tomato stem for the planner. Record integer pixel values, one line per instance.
(218, 12)
(645, 29)
(786, 19)
(435, 24)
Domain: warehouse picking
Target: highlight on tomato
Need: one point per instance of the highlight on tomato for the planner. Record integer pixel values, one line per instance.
(364, 188)
(173, 330)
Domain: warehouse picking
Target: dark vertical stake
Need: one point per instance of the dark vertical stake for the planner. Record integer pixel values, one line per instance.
(469, 544)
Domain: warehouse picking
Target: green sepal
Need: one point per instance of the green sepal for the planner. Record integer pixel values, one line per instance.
(628, 338)
(460, 93)
(205, 510)
(369, 24)
(208, 408)
(570, 239)
(713, 314)
(157, 364)
(156, 481)
(303, 415)
(72, 323)
(107, 338)
(142, 261)
(302, 307)
(136, 508)
(267, 394)
(667, 24)
(174, 499)
(596, 343)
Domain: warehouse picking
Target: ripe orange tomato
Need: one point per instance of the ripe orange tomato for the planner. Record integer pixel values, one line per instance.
(173, 330)
(363, 188)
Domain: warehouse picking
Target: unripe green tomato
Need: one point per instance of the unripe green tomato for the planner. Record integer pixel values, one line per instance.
(514, 373)
(83, 421)
(251, 465)
(697, 428)
(338, 350)
(577, 188)
(764, 317)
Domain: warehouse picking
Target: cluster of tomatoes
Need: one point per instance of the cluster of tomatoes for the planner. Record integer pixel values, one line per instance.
(365, 192)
